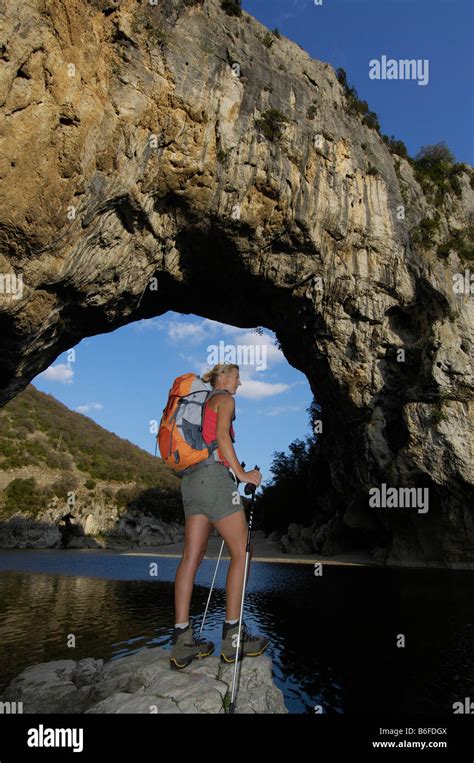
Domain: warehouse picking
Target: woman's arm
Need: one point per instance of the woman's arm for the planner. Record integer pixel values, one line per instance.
(225, 411)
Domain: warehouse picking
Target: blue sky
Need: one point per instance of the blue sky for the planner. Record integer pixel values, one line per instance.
(350, 33)
(121, 379)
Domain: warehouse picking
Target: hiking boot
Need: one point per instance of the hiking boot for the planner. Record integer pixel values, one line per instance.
(251, 645)
(186, 647)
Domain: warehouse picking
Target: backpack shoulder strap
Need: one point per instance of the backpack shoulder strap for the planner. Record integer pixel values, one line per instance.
(217, 392)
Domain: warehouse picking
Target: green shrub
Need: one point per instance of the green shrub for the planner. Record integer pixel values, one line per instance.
(231, 7)
(267, 39)
(371, 120)
(11, 456)
(23, 495)
(437, 414)
(456, 170)
(423, 233)
(226, 702)
(145, 22)
(355, 105)
(271, 124)
(456, 186)
(162, 504)
(396, 146)
(67, 483)
(222, 156)
(437, 171)
(58, 460)
(125, 495)
(89, 484)
(311, 113)
(462, 243)
(157, 34)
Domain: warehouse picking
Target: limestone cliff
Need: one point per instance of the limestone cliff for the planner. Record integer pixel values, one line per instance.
(139, 141)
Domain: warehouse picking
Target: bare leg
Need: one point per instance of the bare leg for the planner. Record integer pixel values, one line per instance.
(197, 529)
(234, 531)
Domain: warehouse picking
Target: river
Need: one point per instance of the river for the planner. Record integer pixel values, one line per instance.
(335, 638)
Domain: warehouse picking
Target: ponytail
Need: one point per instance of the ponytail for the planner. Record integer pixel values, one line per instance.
(212, 374)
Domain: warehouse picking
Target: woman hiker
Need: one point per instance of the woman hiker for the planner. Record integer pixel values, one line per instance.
(210, 498)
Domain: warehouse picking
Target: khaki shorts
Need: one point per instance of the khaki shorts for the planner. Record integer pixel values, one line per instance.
(210, 490)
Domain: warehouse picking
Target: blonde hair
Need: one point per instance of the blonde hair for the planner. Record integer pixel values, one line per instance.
(219, 368)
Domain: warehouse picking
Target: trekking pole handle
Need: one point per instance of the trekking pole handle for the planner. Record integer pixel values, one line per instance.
(242, 463)
(249, 487)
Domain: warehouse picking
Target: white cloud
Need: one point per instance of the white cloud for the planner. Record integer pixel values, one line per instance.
(190, 332)
(216, 326)
(265, 353)
(198, 332)
(207, 330)
(89, 407)
(148, 323)
(61, 373)
(260, 389)
(265, 344)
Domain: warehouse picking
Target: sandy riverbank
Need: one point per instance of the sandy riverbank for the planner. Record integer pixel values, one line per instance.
(264, 551)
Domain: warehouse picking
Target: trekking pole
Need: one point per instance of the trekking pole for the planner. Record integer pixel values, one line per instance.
(212, 584)
(217, 565)
(249, 488)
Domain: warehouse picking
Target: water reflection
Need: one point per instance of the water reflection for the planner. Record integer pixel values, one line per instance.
(334, 637)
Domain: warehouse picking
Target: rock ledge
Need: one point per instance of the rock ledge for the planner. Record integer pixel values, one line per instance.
(144, 683)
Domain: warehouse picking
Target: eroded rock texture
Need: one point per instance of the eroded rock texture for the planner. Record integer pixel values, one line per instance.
(130, 149)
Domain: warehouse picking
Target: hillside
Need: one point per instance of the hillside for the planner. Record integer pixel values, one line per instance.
(54, 461)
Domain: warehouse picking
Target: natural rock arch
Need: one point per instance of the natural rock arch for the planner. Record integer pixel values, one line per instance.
(135, 152)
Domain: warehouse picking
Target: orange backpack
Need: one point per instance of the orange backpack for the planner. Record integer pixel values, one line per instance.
(180, 432)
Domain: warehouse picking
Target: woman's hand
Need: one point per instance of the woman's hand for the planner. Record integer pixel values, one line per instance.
(254, 477)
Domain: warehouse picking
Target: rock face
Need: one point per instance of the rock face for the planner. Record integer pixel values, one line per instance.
(134, 165)
(144, 683)
(129, 531)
